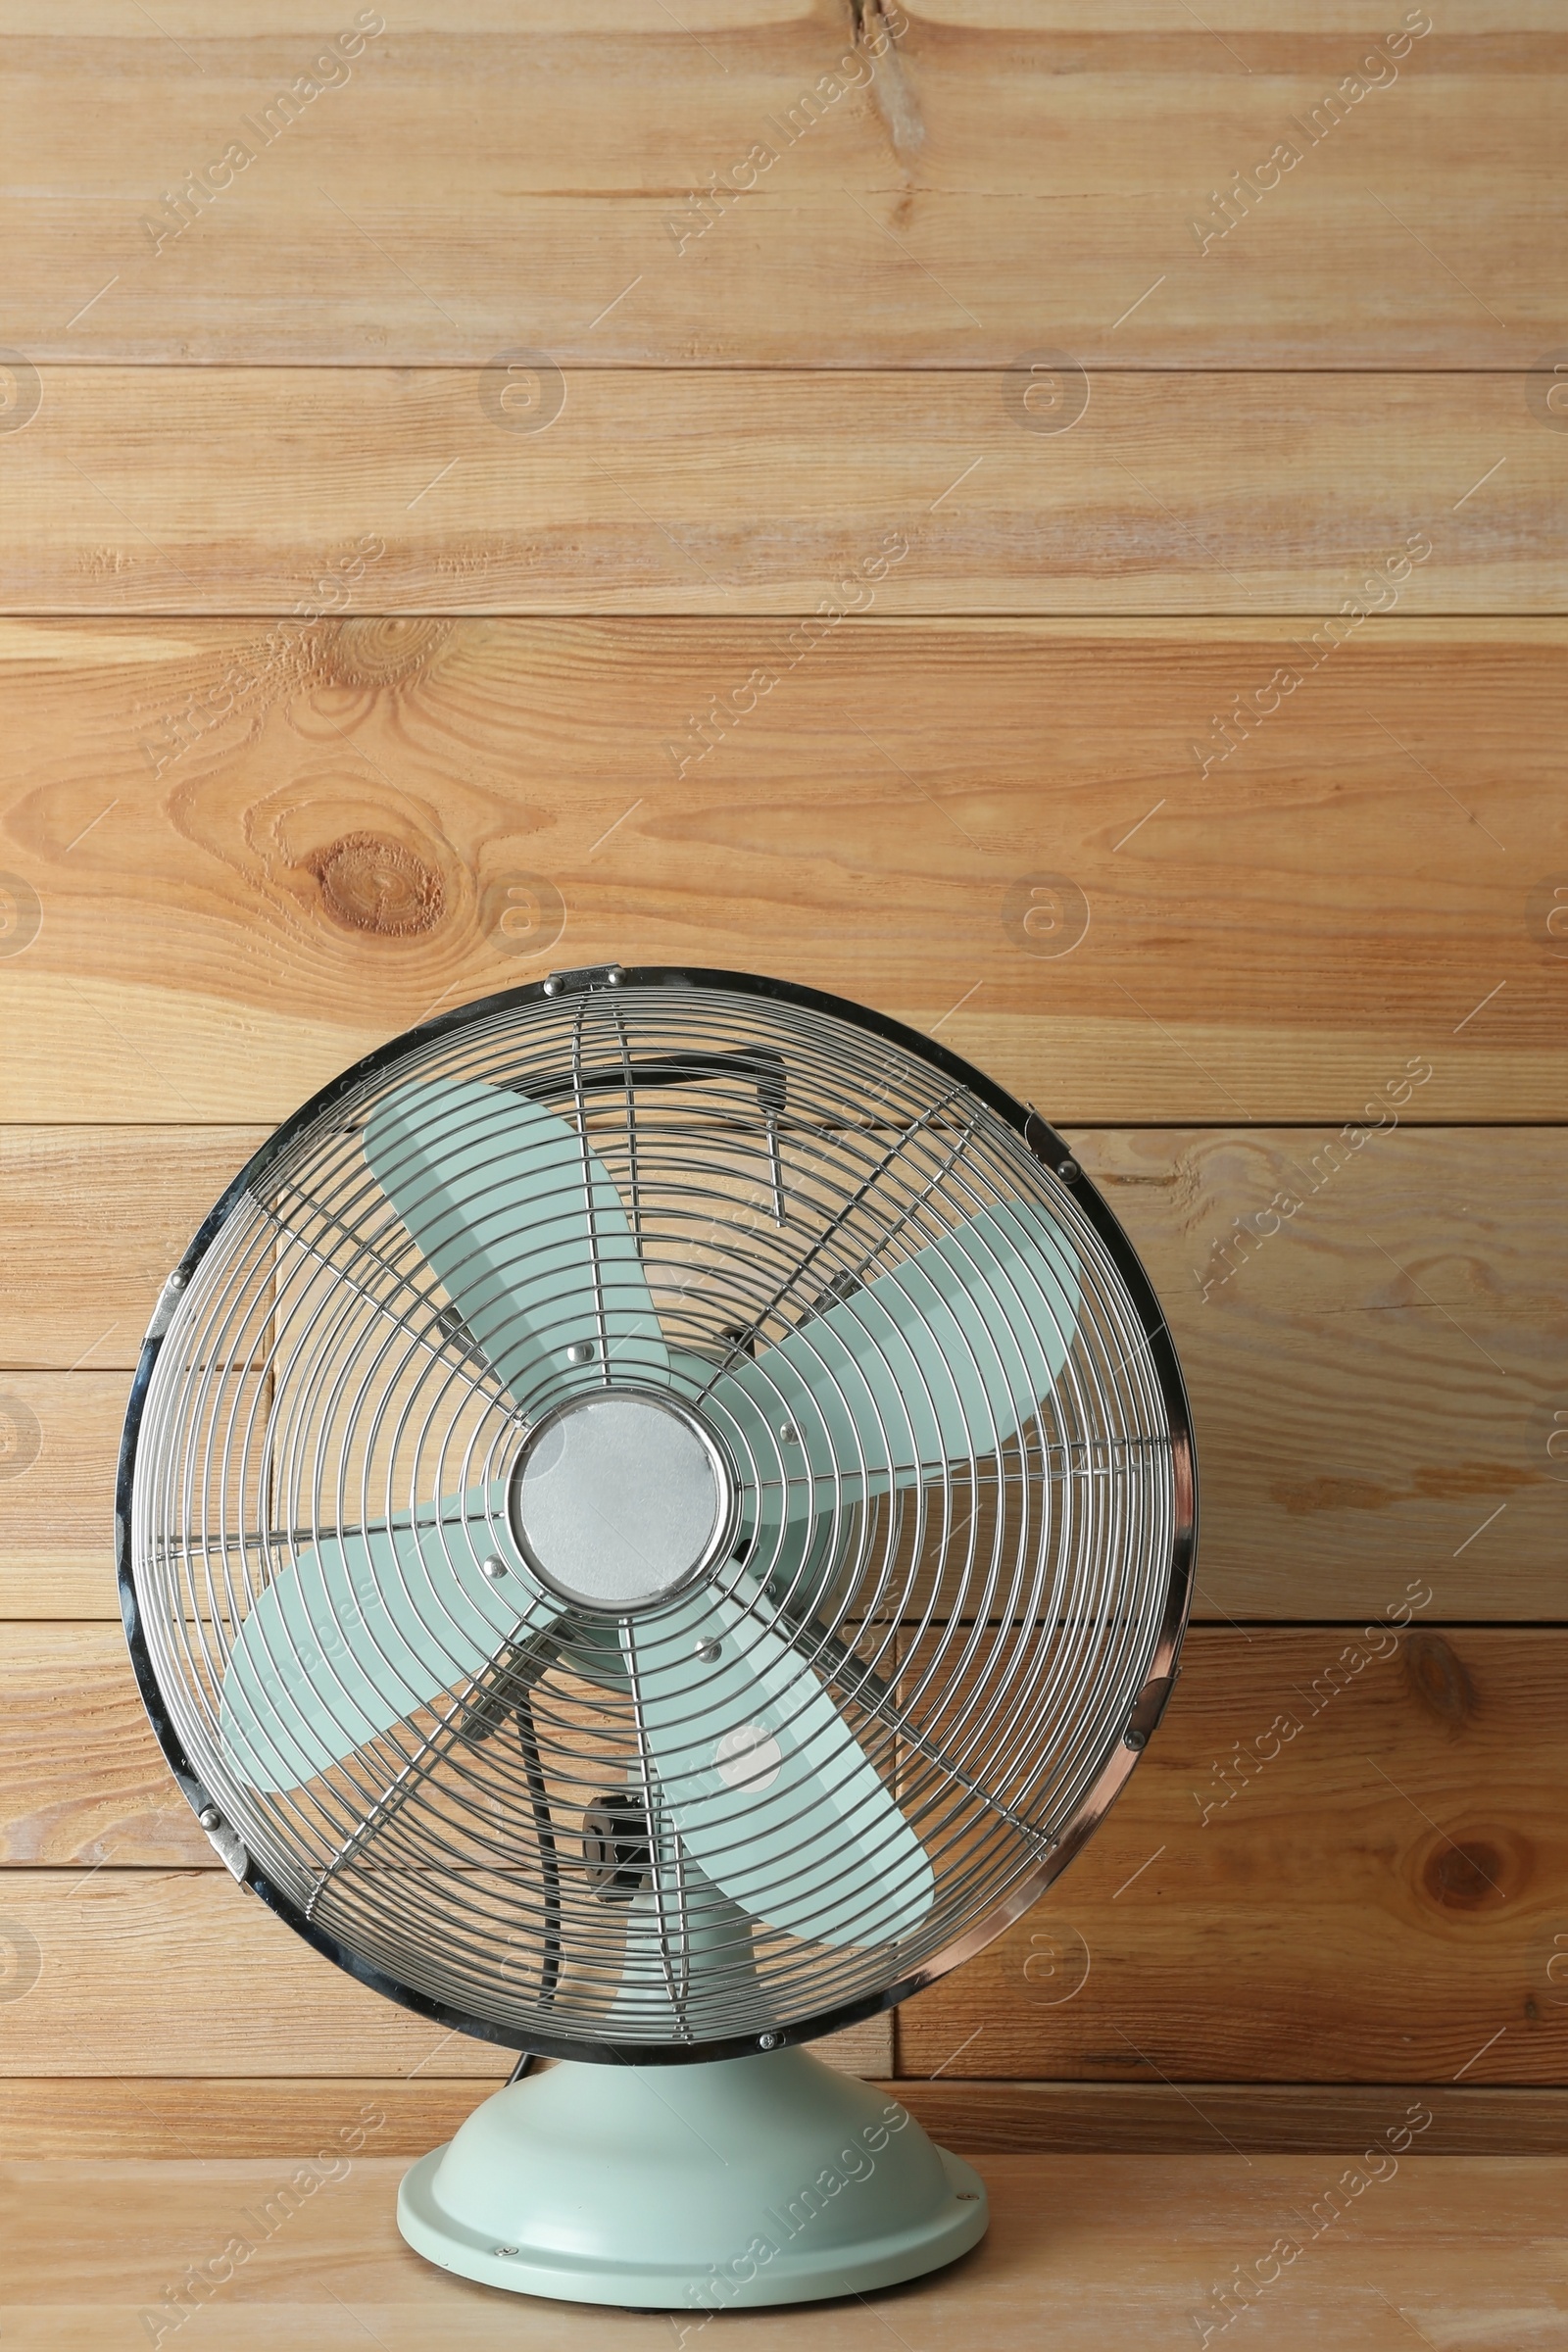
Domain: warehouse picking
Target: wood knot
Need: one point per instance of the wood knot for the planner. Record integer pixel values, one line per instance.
(1471, 1874)
(369, 883)
(381, 650)
(1438, 1679)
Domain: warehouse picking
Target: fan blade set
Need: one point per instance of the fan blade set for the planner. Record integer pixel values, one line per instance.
(758, 1772)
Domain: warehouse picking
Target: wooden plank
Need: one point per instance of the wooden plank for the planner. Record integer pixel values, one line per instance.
(372, 828)
(1384, 1878)
(152, 2116)
(81, 1778)
(179, 1973)
(1329, 1484)
(1330, 1478)
(1374, 1371)
(56, 1556)
(1330, 1866)
(1125, 2251)
(1004, 167)
(226, 2117)
(91, 1220)
(1163, 2117)
(220, 490)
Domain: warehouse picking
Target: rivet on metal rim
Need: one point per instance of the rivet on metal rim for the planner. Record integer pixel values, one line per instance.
(210, 1818)
(1132, 1738)
(1068, 1170)
(552, 988)
(769, 2041)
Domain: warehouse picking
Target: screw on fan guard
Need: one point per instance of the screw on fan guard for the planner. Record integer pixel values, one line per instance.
(617, 1849)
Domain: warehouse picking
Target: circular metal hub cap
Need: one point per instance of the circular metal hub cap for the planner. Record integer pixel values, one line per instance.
(619, 1498)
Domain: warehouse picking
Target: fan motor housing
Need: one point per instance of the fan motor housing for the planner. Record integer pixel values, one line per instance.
(621, 1496)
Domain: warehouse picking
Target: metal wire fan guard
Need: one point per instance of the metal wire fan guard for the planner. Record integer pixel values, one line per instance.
(990, 1602)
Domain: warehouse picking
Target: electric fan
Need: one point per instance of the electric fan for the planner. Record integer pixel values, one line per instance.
(655, 1514)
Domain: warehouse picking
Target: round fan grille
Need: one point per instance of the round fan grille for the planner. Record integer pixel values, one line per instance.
(989, 1602)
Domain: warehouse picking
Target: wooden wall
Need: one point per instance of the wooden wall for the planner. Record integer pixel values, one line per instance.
(1099, 483)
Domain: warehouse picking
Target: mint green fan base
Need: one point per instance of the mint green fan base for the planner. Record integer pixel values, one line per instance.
(692, 2189)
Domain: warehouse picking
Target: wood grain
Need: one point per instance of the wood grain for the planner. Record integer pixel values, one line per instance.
(1372, 1335)
(1374, 1374)
(81, 1778)
(1384, 1876)
(494, 704)
(91, 1220)
(1012, 176)
(1124, 2251)
(1370, 1895)
(342, 840)
(1166, 2118)
(57, 1556)
(216, 490)
(227, 2118)
(179, 1973)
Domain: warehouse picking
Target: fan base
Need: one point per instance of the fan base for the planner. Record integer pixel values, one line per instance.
(693, 2188)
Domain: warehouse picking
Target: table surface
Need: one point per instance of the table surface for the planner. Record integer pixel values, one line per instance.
(1098, 2252)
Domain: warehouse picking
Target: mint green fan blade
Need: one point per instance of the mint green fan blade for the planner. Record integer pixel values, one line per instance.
(943, 1356)
(365, 1628)
(522, 1223)
(763, 1780)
